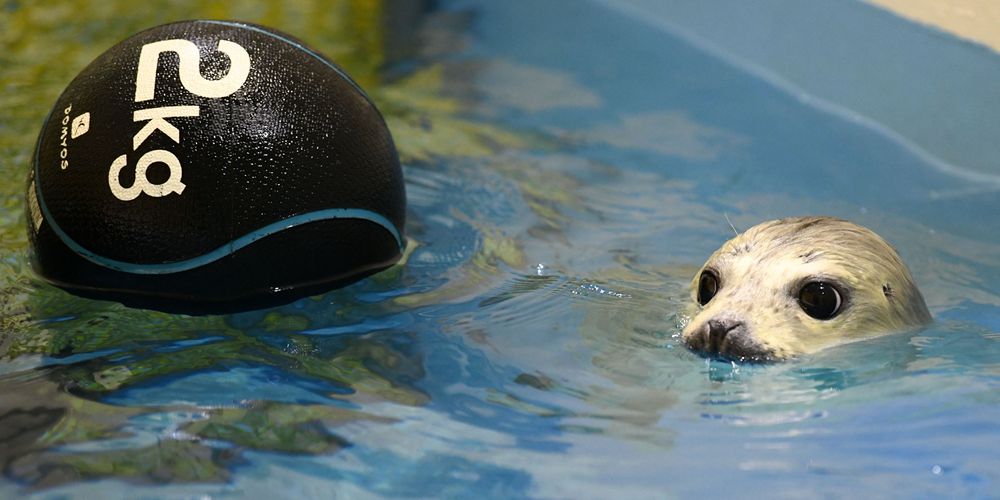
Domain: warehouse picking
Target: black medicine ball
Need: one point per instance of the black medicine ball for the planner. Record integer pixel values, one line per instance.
(209, 166)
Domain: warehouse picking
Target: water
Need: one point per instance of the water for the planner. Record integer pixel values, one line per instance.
(569, 166)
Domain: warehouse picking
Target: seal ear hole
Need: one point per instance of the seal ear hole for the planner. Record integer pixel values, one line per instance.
(708, 286)
(820, 300)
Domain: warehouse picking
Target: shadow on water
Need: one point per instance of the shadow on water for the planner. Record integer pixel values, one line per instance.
(95, 357)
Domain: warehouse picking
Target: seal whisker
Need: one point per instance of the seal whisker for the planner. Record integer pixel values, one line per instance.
(735, 232)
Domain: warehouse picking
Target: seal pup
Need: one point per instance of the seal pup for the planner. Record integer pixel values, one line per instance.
(797, 285)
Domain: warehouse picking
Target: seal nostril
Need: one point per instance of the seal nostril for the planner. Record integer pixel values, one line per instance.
(717, 332)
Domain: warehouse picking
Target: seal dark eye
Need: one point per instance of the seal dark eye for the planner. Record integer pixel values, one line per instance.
(708, 286)
(820, 299)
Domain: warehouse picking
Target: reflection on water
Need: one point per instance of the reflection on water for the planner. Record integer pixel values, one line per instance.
(529, 345)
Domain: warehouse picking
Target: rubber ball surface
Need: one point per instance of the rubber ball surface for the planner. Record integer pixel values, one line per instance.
(210, 166)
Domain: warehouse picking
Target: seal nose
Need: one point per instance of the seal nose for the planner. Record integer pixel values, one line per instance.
(718, 329)
(728, 336)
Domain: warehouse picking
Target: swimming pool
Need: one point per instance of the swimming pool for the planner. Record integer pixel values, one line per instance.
(569, 166)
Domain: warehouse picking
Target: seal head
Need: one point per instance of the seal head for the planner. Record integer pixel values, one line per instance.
(798, 285)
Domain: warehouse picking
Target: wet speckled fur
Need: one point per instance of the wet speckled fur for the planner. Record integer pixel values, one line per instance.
(761, 271)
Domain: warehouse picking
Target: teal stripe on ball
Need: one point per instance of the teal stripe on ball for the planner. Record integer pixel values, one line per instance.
(224, 250)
